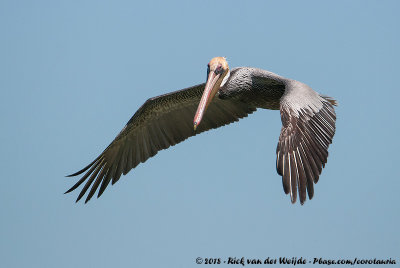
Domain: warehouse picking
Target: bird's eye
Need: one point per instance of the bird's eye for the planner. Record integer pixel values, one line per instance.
(219, 70)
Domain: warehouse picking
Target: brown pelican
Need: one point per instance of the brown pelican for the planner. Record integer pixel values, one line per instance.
(308, 126)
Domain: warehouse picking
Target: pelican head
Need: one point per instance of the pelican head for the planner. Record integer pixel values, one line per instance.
(217, 75)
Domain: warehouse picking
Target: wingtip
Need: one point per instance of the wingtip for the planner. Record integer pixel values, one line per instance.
(85, 168)
(74, 174)
(330, 100)
(79, 197)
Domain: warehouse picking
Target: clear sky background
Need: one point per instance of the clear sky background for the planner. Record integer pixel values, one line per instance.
(72, 73)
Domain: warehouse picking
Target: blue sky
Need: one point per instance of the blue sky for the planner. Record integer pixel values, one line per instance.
(74, 72)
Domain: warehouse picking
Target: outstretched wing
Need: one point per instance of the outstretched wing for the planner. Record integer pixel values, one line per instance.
(161, 122)
(308, 126)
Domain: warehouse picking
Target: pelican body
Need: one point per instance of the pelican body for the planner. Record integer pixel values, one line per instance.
(308, 126)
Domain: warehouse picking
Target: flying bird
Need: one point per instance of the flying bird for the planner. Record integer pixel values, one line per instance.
(308, 126)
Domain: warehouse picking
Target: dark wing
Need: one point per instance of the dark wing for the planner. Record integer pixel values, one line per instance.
(161, 122)
(308, 126)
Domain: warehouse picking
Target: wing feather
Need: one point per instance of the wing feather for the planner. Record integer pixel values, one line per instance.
(159, 123)
(308, 127)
